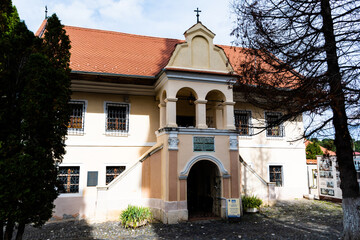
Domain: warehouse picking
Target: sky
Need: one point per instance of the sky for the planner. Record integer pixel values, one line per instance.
(159, 18)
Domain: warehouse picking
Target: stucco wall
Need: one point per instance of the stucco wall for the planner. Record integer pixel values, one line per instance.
(151, 176)
(94, 150)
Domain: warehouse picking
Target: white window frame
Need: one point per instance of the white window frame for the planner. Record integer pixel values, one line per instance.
(251, 129)
(282, 173)
(117, 132)
(114, 165)
(281, 126)
(82, 179)
(75, 131)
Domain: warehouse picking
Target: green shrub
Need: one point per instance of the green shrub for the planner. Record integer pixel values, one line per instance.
(251, 202)
(132, 216)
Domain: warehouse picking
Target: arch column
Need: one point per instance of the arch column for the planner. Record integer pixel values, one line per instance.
(219, 117)
(201, 113)
(171, 112)
(229, 115)
(162, 107)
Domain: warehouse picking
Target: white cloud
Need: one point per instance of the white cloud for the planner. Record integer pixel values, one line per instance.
(77, 12)
(162, 18)
(123, 10)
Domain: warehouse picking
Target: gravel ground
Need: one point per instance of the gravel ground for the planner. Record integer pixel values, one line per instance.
(297, 219)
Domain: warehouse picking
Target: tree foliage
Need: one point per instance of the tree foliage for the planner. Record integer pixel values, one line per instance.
(313, 149)
(357, 146)
(35, 82)
(304, 57)
(327, 143)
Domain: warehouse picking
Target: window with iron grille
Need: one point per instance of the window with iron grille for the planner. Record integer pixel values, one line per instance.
(69, 177)
(275, 173)
(271, 129)
(112, 172)
(243, 122)
(117, 118)
(76, 122)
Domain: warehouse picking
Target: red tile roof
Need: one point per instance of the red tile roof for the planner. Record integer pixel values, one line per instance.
(118, 53)
(107, 52)
(99, 51)
(41, 29)
(311, 161)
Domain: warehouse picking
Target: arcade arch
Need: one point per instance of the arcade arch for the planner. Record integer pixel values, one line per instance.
(214, 109)
(195, 108)
(185, 107)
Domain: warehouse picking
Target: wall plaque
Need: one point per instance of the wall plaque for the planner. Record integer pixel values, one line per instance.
(204, 144)
(233, 208)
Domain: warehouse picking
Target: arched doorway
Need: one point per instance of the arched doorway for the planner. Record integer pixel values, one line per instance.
(204, 190)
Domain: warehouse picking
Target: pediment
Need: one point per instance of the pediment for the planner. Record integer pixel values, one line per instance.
(198, 52)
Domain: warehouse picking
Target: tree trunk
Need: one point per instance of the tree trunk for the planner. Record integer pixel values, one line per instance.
(351, 222)
(20, 231)
(9, 230)
(349, 184)
(1, 230)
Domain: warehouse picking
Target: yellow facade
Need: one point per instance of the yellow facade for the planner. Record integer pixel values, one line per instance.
(192, 100)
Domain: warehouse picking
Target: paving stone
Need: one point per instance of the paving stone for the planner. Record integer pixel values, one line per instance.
(297, 219)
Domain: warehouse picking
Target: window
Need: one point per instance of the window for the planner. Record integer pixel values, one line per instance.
(243, 122)
(69, 177)
(113, 172)
(117, 118)
(271, 129)
(76, 122)
(275, 173)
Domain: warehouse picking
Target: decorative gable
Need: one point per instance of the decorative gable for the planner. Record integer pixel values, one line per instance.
(199, 52)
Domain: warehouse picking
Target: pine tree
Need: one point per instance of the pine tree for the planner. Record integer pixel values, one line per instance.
(34, 114)
(313, 149)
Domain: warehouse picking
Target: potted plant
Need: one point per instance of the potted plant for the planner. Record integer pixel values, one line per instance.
(134, 216)
(251, 203)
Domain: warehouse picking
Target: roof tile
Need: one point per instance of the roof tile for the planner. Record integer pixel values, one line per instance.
(118, 53)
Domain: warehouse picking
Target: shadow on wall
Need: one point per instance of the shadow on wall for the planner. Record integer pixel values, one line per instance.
(255, 179)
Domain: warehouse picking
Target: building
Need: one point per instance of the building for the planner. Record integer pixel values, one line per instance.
(324, 176)
(313, 172)
(156, 122)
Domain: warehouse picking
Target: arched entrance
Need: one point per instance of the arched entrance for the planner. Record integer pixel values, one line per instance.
(204, 190)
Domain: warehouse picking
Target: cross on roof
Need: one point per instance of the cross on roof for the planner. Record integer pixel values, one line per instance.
(197, 14)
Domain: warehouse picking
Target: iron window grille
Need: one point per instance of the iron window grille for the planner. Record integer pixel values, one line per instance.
(273, 130)
(69, 177)
(117, 118)
(77, 116)
(113, 172)
(243, 122)
(276, 175)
